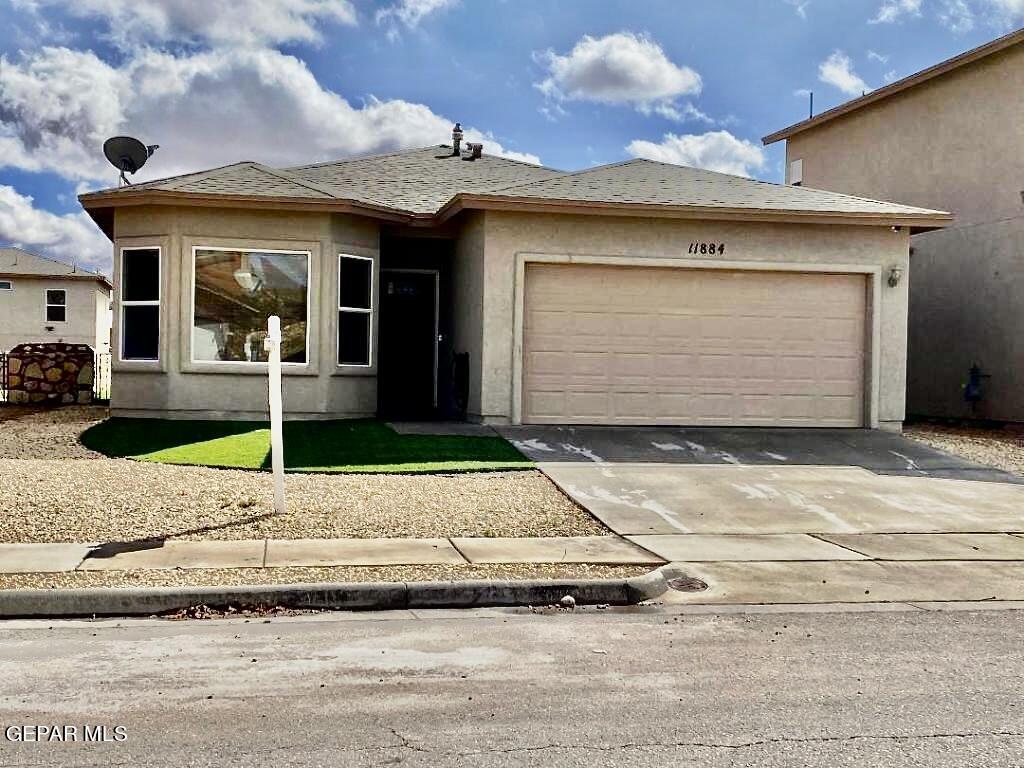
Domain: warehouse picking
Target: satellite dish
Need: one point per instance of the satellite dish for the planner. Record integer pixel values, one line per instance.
(127, 154)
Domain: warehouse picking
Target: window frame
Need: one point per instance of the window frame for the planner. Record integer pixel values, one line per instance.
(370, 312)
(121, 303)
(47, 305)
(8, 283)
(250, 249)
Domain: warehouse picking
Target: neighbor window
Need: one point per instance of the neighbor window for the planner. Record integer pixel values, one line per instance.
(355, 310)
(140, 303)
(6, 285)
(56, 305)
(236, 291)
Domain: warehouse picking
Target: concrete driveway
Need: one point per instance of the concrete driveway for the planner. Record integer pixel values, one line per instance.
(703, 495)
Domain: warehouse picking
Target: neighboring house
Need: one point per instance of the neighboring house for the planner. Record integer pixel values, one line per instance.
(45, 300)
(423, 282)
(950, 137)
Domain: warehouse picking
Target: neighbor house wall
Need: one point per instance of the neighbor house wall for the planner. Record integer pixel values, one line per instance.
(23, 313)
(510, 237)
(953, 143)
(174, 386)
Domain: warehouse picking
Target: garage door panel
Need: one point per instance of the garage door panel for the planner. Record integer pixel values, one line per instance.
(637, 345)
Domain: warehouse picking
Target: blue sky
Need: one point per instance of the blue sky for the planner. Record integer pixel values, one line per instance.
(571, 83)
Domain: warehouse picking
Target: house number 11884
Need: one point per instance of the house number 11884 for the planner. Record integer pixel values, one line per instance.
(707, 248)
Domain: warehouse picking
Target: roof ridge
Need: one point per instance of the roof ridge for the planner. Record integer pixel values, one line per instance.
(283, 174)
(411, 151)
(561, 175)
(178, 179)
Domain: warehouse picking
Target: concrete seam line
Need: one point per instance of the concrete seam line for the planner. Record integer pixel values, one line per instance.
(462, 554)
(821, 537)
(46, 603)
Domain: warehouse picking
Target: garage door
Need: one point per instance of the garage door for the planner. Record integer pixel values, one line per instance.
(638, 345)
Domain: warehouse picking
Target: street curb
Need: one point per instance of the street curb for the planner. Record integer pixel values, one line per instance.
(378, 596)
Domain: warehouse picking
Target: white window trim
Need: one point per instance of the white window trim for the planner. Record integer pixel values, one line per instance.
(9, 285)
(148, 303)
(354, 310)
(47, 305)
(249, 249)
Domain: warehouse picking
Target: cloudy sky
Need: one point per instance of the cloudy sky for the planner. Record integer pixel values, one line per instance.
(570, 83)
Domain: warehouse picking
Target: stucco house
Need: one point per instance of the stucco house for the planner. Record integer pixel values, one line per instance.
(443, 281)
(947, 137)
(42, 300)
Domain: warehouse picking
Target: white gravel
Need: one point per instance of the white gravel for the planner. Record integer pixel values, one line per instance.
(1002, 448)
(54, 489)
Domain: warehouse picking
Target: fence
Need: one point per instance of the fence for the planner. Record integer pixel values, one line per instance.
(100, 381)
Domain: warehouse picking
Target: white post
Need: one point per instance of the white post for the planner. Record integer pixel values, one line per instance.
(273, 346)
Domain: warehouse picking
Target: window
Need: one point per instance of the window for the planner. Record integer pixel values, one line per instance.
(6, 285)
(355, 310)
(796, 173)
(56, 305)
(140, 303)
(235, 291)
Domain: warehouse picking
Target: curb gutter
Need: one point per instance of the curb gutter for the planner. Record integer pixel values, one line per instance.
(377, 596)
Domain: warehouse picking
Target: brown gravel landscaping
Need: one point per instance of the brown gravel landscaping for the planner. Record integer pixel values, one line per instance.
(338, 574)
(997, 447)
(54, 489)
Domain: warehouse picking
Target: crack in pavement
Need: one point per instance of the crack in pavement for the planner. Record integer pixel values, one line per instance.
(751, 744)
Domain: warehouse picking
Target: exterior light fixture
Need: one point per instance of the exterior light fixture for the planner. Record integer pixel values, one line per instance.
(895, 275)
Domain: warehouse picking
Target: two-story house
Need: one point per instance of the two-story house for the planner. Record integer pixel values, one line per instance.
(44, 300)
(948, 137)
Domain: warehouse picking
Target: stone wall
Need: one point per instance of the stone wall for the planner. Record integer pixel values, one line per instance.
(56, 373)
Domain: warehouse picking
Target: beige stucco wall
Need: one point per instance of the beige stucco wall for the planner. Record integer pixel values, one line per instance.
(468, 301)
(177, 387)
(510, 238)
(954, 143)
(23, 313)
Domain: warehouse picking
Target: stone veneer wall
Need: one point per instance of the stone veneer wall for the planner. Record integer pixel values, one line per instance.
(55, 372)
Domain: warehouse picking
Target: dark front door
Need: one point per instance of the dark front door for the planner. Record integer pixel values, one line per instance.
(407, 368)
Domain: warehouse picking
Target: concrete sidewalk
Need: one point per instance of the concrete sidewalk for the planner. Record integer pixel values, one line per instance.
(274, 553)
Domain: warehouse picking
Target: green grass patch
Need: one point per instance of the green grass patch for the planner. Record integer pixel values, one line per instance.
(309, 446)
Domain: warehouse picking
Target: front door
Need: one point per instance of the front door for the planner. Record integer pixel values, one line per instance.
(407, 366)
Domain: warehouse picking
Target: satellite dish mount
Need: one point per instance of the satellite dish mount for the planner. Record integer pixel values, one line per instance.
(127, 155)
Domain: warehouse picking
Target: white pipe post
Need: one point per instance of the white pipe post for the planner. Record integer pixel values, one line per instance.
(273, 346)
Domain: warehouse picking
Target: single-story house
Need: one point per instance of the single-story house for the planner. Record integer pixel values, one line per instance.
(42, 300)
(445, 281)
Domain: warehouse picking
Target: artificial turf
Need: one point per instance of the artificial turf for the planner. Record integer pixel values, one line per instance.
(363, 445)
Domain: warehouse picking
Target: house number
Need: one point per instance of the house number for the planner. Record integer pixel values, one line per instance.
(707, 249)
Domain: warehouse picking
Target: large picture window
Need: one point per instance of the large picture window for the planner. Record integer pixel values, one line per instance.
(235, 291)
(140, 303)
(355, 310)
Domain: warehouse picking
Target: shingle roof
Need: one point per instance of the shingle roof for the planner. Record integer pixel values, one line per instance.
(646, 182)
(18, 261)
(422, 183)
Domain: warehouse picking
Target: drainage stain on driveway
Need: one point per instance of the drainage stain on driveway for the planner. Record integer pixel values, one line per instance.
(770, 481)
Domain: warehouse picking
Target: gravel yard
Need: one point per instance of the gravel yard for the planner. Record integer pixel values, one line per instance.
(1002, 448)
(338, 574)
(54, 489)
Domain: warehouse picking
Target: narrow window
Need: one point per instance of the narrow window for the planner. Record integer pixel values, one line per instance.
(140, 303)
(355, 310)
(236, 290)
(6, 285)
(796, 173)
(56, 305)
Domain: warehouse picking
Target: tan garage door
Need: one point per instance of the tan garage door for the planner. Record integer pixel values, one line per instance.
(641, 345)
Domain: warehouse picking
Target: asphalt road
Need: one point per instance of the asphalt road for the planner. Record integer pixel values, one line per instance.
(490, 688)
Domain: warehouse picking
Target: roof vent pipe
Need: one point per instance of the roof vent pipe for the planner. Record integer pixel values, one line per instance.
(475, 151)
(456, 139)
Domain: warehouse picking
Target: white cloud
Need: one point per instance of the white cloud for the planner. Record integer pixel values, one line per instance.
(800, 6)
(893, 10)
(410, 13)
(204, 109)
(133, 23)
(71, 237)
(837, 70)
(715, 151)
(621, 68)
(875, 56)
